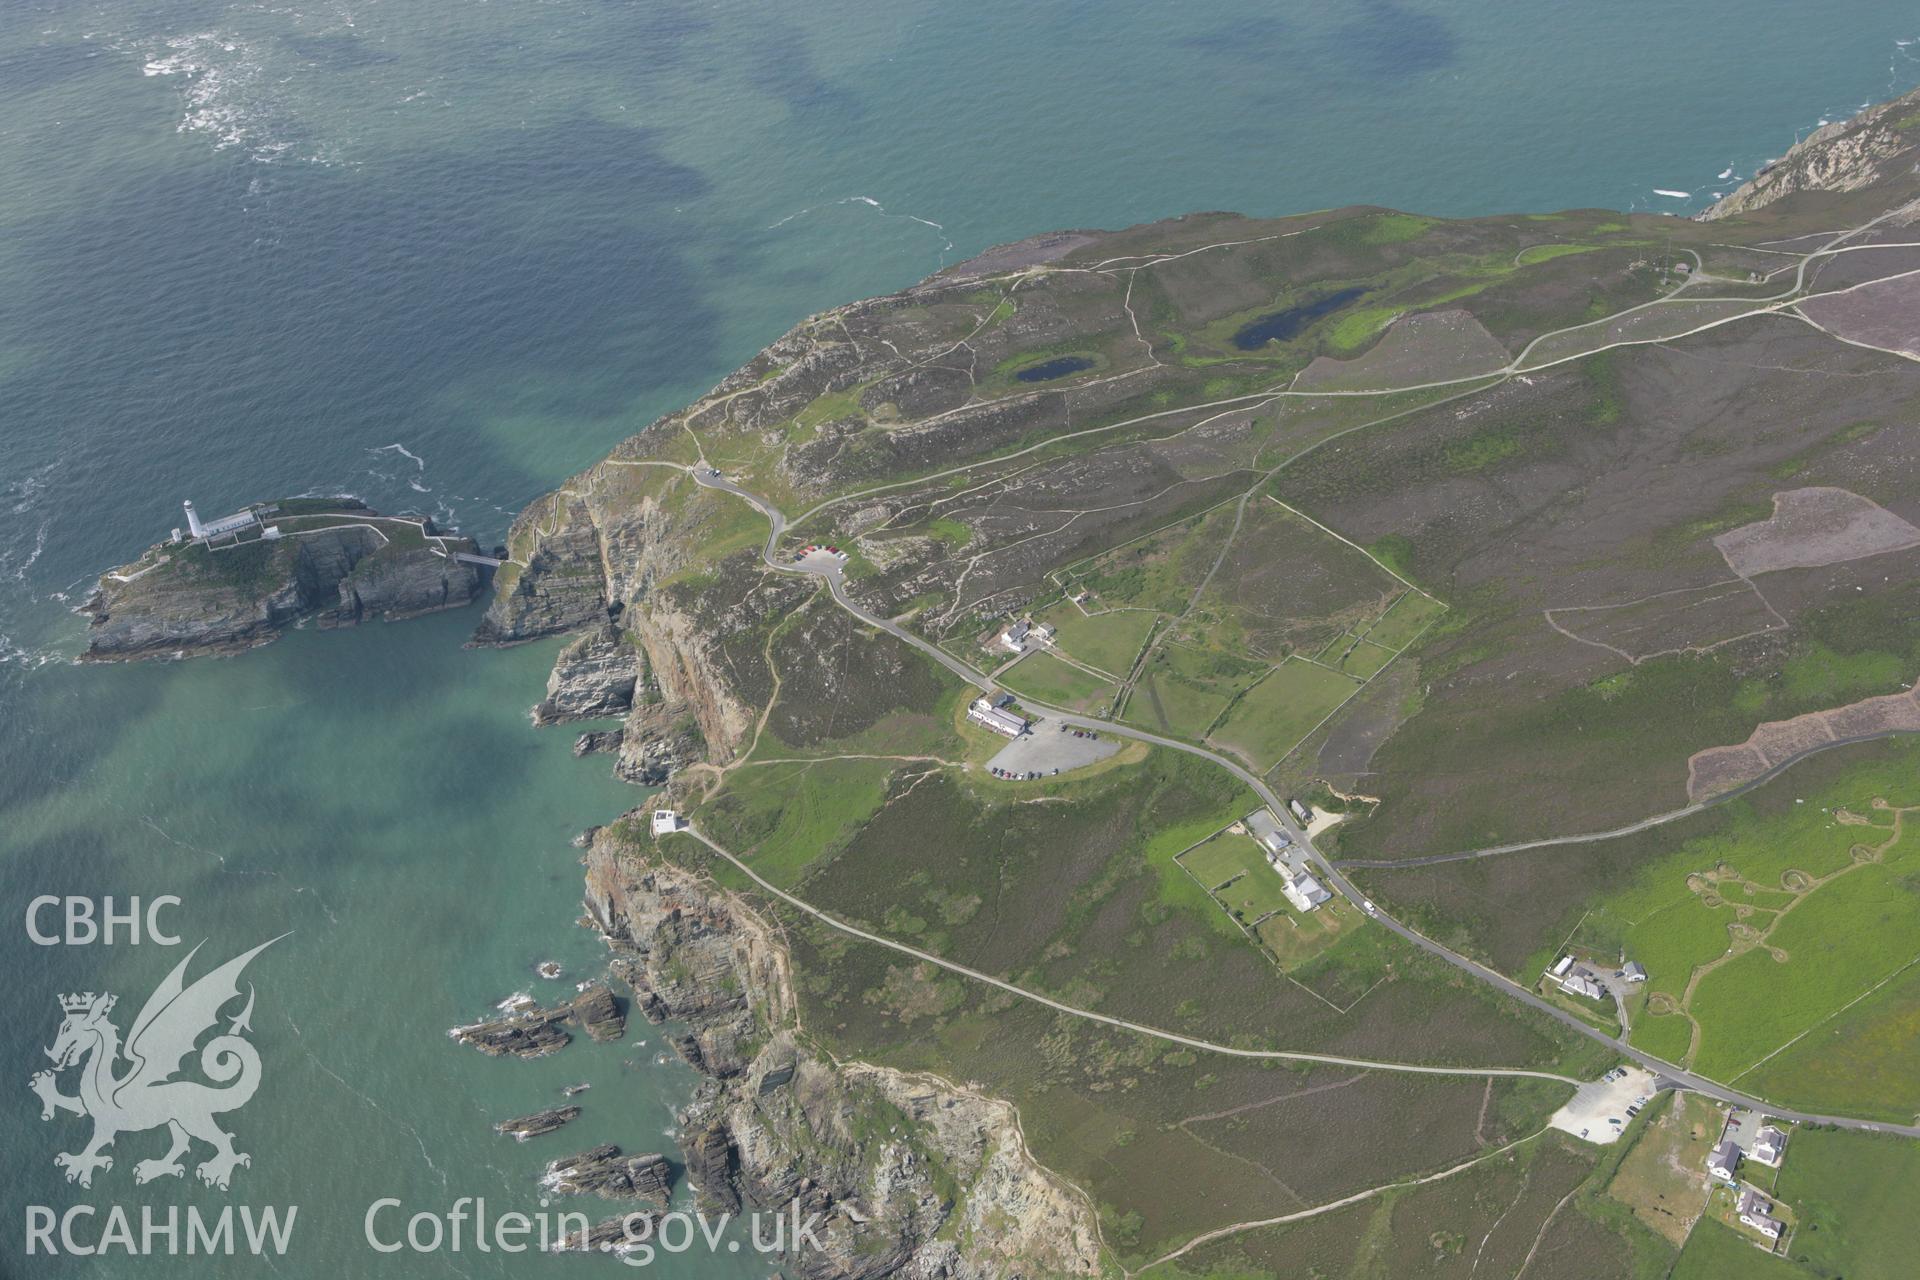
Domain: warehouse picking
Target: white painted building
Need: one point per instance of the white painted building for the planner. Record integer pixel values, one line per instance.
(1633, 971)
(1302, 890)
(1300, 811)
(666, 822)
(1580, 984)
(1724, 1161)
(1757, 1212)
(213, 529)
(982, 712)
(1561, 966)
(1769, 1146)
(1014, 638)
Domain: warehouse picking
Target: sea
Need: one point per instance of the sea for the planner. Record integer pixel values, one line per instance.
(441, 254)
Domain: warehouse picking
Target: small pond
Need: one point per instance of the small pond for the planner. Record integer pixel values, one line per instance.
(1059, 367)
(1282, 326)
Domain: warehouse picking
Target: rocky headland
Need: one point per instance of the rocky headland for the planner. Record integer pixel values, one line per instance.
(1846, 155)
(334, 561)
(658, 578)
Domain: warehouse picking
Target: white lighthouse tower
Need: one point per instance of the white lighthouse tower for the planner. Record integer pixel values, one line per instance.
(194, 527)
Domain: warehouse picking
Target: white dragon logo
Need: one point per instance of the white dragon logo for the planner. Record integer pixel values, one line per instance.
(145, 1096)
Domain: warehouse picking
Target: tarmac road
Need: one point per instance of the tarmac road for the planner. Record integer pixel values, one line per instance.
(835, 577)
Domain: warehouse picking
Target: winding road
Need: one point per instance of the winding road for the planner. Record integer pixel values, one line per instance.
(832, 572)
(1157, 1033)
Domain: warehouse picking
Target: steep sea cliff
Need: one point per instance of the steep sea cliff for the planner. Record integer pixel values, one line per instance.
(911, 1174)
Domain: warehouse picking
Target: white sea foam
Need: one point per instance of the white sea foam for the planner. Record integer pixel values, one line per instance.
(404, 452)
(871, 203)
(39, 545)
(22, 493)
(14, 654)
(231, 93)
(1673, 195)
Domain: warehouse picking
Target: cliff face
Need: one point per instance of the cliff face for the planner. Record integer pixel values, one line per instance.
(1846, 155)
(603, 674)
(910, 1174)
(602, 554)
(185, 600)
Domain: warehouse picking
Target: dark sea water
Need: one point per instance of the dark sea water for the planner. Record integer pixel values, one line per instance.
(441, 253)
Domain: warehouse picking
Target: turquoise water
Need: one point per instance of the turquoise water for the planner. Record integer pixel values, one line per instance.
(442, 253)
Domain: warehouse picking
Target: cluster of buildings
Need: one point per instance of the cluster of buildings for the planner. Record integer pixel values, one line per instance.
(1301, 889)
(1018, 635)
(1767, 1146)
(996, 713)
(1296, 882)
(1578, 978)
(199, 530)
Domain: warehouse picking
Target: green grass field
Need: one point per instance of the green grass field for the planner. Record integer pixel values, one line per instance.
(1167, 704)
(1223, 857)
(1109, 641)
(1156, 572)
(1662, 1035)
(1716, 1252)
(1407, 618)
(1254, 894)
(1296, 939)
(1183, 689)
(1047, 679)
(1854, 1194)
(1842, 939)
(782, 817)
(1274, 715)
(1788, 919)
(1361, 659)
(1857, 1063)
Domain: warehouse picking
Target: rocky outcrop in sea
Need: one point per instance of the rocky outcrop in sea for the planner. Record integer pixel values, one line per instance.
(339, 568)
(527, 1029)
(605, 1172)
(540, 1122)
